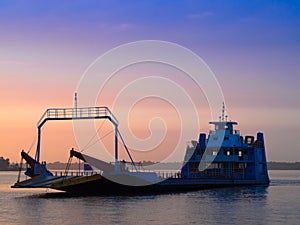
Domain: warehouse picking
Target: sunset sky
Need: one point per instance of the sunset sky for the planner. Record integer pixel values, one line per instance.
(253, 48)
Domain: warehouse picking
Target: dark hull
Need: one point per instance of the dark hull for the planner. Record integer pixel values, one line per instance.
(106, 187)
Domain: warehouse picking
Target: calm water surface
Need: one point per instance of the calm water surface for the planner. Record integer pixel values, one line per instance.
(277, 204)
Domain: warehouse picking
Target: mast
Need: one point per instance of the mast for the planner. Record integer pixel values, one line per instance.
(75, 104)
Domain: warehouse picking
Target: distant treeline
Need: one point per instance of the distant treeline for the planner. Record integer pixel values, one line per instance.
(6, 165)
(284, 165)
(177, 165)
(271, 166)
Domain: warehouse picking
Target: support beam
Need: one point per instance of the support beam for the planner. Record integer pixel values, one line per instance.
(116, 149)
(38, 147)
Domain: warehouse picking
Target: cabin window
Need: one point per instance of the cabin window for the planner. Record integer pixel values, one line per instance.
(226, 138)
(240, 154)
(228, 151)
(214, 153)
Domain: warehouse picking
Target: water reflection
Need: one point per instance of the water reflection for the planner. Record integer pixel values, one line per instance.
(207, 206)
(276, 204)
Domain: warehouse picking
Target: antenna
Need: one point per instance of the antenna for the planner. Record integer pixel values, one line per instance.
(75, 104)
(223, 111)
(75, 101)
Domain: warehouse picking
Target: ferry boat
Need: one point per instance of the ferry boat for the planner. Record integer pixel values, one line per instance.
(222, 159)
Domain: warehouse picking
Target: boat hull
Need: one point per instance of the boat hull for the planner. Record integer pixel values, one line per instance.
(104, 186)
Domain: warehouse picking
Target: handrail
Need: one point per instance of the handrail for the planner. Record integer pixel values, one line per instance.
(76, 113)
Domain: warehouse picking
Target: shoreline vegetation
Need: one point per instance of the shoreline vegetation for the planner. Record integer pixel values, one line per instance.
(5, 165)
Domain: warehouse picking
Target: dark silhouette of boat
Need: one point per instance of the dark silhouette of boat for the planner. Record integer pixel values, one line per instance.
(224, 158)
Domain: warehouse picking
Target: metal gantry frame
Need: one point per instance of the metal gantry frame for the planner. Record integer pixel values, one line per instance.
(101, 112)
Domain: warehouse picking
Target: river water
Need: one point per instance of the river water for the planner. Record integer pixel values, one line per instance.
(278, 203)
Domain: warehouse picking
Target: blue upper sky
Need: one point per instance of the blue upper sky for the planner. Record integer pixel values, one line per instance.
(217, 23)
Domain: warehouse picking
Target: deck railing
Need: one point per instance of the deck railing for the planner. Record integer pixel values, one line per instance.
(74, 173)
(161, 174)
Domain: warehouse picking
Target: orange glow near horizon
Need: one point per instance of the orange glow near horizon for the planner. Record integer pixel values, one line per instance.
(58, 137)
(20, 113)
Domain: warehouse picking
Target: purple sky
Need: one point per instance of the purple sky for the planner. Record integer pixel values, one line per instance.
(253, 47)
